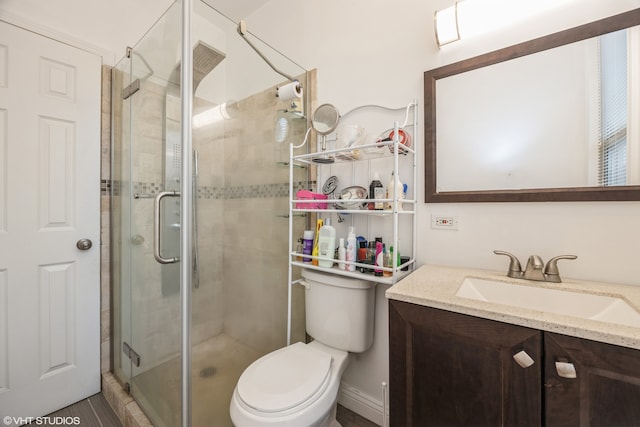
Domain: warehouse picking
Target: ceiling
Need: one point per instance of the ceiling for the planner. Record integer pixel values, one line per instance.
(236, 9)
(109, 25)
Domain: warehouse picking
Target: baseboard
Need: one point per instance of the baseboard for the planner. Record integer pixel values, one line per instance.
(362, 404)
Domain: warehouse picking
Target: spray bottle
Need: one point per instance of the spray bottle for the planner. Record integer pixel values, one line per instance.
(351, 249)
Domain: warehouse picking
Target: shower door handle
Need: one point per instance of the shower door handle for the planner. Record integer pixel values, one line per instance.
(157, 226)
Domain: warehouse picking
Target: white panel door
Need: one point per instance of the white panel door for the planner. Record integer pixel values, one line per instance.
(49, 199)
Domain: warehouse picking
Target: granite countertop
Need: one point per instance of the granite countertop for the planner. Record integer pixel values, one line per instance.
(436, 287)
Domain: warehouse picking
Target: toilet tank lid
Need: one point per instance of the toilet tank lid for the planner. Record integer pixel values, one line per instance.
(336, 280)
(285, 378)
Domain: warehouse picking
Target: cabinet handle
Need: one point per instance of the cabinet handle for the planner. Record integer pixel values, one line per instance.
(523, 359)
(565, 369)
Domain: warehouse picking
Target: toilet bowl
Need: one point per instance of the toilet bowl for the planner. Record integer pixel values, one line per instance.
(297, 386)
(294, 386)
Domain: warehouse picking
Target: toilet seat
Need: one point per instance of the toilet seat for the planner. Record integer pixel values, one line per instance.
(285, 379)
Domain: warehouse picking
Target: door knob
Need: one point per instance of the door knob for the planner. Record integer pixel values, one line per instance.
(84, 244)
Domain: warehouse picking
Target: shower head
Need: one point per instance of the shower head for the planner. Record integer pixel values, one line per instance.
(205, 59)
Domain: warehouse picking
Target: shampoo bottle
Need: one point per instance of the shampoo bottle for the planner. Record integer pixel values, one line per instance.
(351, 249)
(326, 244)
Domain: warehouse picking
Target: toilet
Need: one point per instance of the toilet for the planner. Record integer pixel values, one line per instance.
(297, 385)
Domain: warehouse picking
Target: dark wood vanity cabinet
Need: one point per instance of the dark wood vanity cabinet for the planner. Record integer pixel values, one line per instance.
(453, 370)
(605, 391)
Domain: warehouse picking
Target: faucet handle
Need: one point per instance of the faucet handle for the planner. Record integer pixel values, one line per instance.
(515, 269)
(552, 265)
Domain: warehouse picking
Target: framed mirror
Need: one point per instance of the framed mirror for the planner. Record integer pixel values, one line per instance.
(552, 119)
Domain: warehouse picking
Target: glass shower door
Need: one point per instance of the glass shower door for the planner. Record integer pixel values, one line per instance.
(148, 292)
(155, 281)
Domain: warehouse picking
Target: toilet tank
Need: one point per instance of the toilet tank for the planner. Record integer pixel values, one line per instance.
(339, 310)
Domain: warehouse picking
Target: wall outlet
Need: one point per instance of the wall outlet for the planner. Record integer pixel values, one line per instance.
(444, 222)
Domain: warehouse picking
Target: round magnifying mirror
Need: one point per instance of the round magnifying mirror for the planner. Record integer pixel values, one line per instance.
(324, 121)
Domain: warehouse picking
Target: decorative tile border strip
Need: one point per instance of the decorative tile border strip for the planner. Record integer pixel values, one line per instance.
(259, 191)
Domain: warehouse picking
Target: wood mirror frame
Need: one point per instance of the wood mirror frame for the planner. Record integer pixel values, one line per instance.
(593, 29)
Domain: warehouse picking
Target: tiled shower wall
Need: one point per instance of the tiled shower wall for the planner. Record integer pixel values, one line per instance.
(256, 224)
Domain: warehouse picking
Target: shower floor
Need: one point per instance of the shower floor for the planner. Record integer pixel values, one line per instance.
(216, 365)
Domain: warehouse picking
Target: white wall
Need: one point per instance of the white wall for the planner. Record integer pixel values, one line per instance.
(375, 51)
(103, 27)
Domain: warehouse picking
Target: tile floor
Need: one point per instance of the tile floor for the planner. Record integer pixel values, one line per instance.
(96, 412)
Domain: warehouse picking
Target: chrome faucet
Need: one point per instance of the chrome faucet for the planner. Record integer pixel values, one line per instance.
(536, 269)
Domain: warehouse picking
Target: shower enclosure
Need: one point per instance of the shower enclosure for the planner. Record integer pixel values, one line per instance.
(239, 241)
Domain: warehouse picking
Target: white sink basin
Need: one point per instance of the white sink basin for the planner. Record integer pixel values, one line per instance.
(576, 304)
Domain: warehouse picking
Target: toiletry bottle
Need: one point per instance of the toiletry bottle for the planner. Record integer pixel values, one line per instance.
(307, 244)
(342, 254)
(327, 244)
(393, 253)
(299, 249)
(362, 252)
(314, 252)
(405, 187)
(351, 249)
(390, 190)
(376, 191)
(388, 261)
(379, 258)
(394, 183)
(371, 255)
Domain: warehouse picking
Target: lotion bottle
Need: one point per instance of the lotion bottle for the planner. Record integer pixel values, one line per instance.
(326, 244)
(351, 249)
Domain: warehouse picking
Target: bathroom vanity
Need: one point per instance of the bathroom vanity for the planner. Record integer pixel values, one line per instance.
(458, 358)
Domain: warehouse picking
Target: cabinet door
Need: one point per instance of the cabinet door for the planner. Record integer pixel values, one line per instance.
(449, 370)
(606, 390)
